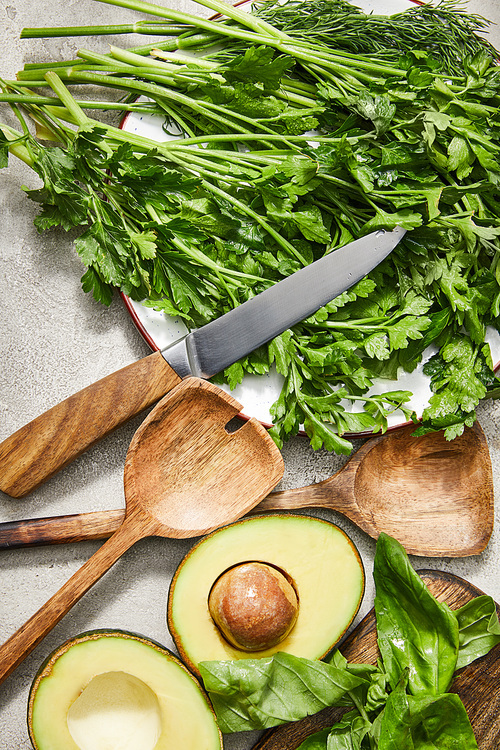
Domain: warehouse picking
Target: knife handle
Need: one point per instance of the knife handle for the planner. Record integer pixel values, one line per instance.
(51, 441)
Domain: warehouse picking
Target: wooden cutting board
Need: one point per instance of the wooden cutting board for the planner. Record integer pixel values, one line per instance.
(478, 685)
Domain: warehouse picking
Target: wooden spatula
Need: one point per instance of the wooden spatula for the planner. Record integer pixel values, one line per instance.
(185, 475)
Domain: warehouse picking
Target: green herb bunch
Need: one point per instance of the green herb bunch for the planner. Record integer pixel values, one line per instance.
(444, 31)
(401, 703)
(288, 149)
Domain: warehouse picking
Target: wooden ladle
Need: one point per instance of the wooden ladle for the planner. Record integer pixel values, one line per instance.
(435, 496)
(185, 475)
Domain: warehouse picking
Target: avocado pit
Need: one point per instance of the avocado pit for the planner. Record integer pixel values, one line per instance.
(254, 605)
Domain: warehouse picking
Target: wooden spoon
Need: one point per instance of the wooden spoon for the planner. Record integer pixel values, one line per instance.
(435, 496)
(185, 475)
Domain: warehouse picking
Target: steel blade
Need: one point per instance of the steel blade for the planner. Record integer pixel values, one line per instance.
(213, 347)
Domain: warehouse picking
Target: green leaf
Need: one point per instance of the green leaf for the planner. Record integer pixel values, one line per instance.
(460, 157)
(349, 733)
(234, 374)
(385, 220)
(377, 346)
(299, 168)
(479, 629)
(455, 379)
(262, 693)
(145, 243)
(206, 217)
(310, 222)
(395, 724)
(258, 64)
(409, 327)
(5, 144)
(453, 283)
(323, 436)
(379, 109)
(281, 352)
(96, 248)
(425, 722)
(415, 632)
(439, 120)
(92, 282)
(316, 741)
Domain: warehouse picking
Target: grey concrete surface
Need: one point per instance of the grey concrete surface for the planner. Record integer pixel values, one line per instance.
(54, 340)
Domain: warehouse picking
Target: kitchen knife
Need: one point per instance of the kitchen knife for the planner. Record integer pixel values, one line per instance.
(44, 446)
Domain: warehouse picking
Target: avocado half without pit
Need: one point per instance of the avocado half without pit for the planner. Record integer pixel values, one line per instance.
(267, 583)
(111, 689)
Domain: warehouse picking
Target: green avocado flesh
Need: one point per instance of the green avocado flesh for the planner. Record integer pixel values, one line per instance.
(319, 558)
(118, 691)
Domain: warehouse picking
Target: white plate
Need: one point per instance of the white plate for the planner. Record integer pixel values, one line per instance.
(258, 393)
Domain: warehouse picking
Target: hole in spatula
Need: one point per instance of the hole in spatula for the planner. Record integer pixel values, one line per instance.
(234, 424)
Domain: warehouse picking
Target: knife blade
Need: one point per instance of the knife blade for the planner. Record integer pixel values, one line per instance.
(208, 350)
(48, 443)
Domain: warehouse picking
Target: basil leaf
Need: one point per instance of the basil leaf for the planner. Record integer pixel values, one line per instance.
(395, 720)
(349, 733)
(261, 693)
(316, 741)
(479, 629)
(425, 723)
(415, 632)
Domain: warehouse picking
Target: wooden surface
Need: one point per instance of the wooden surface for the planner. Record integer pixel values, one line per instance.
(478, 684)
(184, 476)
(434, 496)
(35, 452)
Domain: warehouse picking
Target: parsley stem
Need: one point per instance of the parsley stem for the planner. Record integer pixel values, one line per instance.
(17, 145)
(197, 21)
(140, 27)
(257, 35)
(204, 108)
(68, 101)
(82, 103)
(176, 59)
(204, 260)
(298, 139)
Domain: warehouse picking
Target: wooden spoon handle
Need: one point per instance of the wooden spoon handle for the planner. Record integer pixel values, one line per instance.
(77, 527)
(44, 446)
(24, 640)
(80, 527)
(336, 493)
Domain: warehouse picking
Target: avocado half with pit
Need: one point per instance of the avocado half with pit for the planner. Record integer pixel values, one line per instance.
(212, 617)
(108, 688)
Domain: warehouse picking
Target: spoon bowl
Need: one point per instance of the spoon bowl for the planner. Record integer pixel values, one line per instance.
(185, 475)
(433, 495)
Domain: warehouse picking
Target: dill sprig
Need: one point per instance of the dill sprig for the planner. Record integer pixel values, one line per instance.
(445, 30)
